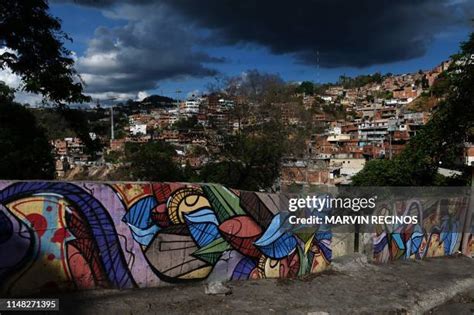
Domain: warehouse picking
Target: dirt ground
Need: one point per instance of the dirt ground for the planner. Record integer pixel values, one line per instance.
(405, 287)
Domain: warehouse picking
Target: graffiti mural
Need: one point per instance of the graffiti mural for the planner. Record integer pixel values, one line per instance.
(438, 232)
(59, 235)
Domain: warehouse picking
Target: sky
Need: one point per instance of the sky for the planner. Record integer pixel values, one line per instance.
(128, 49)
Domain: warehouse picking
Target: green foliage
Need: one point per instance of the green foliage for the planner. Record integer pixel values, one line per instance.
(79, 123)
(186, 123)
(441, 86)
(377, 173)
(53, 123)
(321, 88)
(335, 111)
(61, 122)
(252, 159)
(24, 149)
(306, 87)
(256, 86)
(386, 95)
(112, 157)
(425, 83)
(37, 51)
(359, 81)
(7, 94)
(151, 161)
(158, 101)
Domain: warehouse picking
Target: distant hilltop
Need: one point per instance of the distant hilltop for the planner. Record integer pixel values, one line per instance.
(158, 100)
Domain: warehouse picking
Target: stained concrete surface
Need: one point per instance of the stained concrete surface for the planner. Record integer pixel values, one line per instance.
(461, 304)
(403, 287)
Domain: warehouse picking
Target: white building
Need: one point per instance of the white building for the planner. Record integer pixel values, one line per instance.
(375, 130)
(225, 105)
(349, 166)
(335, 130)
(191, 107)
(326, 98)
(138, 129)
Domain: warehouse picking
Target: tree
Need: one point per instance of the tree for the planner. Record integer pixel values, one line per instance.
(254, 85)
(24, 149)
(306, 87)
(151, 161)
(79, 123)
(186, 123)
(359, 81)
(251, 159)
(378, 173)
(441, 140)
(35, 51)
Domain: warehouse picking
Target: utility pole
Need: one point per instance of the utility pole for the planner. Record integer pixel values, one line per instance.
(177, 102)
(178, 92)
(112, 135)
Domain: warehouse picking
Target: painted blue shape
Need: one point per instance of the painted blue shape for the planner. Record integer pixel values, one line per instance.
(449, 236)
(323, 240)
(378, 248)
(203, 226)
(139, 215)
(398, 240)
(323, 235)
(144, 236)
(414, 242)
(243, 269)
(275, 242)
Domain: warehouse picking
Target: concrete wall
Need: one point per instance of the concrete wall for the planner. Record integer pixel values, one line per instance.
(438, 233)
(59, 236)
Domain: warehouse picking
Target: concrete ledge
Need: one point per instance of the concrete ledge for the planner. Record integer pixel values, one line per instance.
(402, 287)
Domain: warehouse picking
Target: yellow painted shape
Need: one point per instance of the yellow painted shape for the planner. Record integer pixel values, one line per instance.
(198, 273)
(184, 201)
(272, 268)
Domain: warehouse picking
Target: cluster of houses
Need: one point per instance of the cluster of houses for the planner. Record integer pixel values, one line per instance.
(378, 123)
(71, 152)
(381, 128)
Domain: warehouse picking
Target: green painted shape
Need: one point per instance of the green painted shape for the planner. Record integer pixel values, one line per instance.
(224, 203)
(211, 252)
(305, 266)
(305, 234)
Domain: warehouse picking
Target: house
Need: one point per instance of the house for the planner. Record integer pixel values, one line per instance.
(138, 129)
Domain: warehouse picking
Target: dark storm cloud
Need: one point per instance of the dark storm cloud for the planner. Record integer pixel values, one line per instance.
(164, 39)
(103, 3)
(346, 32)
